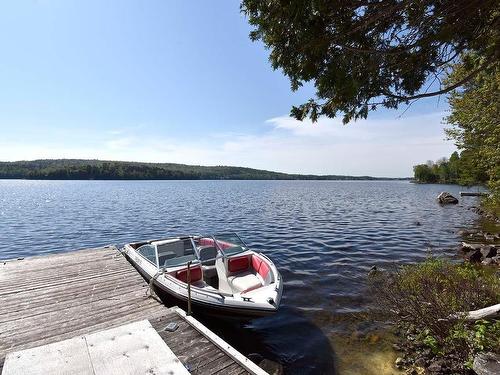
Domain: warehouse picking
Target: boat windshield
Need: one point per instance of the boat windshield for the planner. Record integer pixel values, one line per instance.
(175, 252)
(230, 243)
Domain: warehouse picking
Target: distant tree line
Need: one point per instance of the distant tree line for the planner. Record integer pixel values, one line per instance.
(458, 169)
(76, 169)
(116, 170)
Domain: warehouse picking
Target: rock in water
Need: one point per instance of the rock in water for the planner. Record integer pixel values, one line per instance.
(488, 251)
(473, 256)
(272, 368)
(446, 198)
(255, 357)
(486, 364)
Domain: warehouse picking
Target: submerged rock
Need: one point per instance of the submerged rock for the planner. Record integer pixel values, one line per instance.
(255, 357)
(446, 198)
(467, 232)
(477, 210)
(271, 367)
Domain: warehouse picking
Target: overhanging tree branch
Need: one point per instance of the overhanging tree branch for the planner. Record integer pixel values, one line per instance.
(444, 90)
(359, 51)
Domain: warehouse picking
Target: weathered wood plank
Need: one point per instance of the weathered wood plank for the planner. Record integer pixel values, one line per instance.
(41, 300)
(48, 260)
(215, 366)
(202, 364)
(60, 283)
(60, 321)
(219, 342)
(32, 310)
(26, 279)
(232, 369)
(194, 348)
(202, 356)
(48, 263)
(84, 286)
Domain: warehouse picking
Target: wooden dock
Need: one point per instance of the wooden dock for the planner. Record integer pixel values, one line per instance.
(49, 298)
(473, 194)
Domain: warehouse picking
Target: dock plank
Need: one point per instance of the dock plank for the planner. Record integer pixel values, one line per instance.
(199, 361)
(49, 298)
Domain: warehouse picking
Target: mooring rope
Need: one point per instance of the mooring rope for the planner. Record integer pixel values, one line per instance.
(150, 291)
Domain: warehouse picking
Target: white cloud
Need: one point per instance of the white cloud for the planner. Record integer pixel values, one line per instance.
(115, 132)
(119, 143)
(376, 147)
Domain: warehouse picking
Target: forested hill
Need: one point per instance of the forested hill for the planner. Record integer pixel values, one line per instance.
(76, 169)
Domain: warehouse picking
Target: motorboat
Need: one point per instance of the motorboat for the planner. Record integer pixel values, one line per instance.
(216, 272)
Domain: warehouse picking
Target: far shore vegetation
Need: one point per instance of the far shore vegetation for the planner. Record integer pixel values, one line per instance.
(455, 170)
(78, 169)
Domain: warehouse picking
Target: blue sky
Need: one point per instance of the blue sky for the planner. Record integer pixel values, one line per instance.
(179, 81)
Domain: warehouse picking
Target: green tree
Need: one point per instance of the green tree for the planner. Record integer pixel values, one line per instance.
(366, 53)
(444, 171)
(423, 173)
(475, 126)
(454, 165)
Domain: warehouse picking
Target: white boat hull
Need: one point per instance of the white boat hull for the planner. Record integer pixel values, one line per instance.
(249, 304)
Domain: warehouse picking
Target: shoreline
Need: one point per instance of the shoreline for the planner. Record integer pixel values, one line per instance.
(382, 350)
(483, 252)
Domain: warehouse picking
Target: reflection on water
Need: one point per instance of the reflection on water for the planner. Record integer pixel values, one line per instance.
(323, 235)
(278, 338)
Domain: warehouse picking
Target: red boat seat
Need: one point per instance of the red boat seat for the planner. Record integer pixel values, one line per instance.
(196, 274)
(260, 266)
(238, 264)
(210, 242)
(206, 241)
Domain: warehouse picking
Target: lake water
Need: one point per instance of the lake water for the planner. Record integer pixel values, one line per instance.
(324, 236)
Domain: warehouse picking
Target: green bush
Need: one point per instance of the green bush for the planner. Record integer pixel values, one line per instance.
(423, 298)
